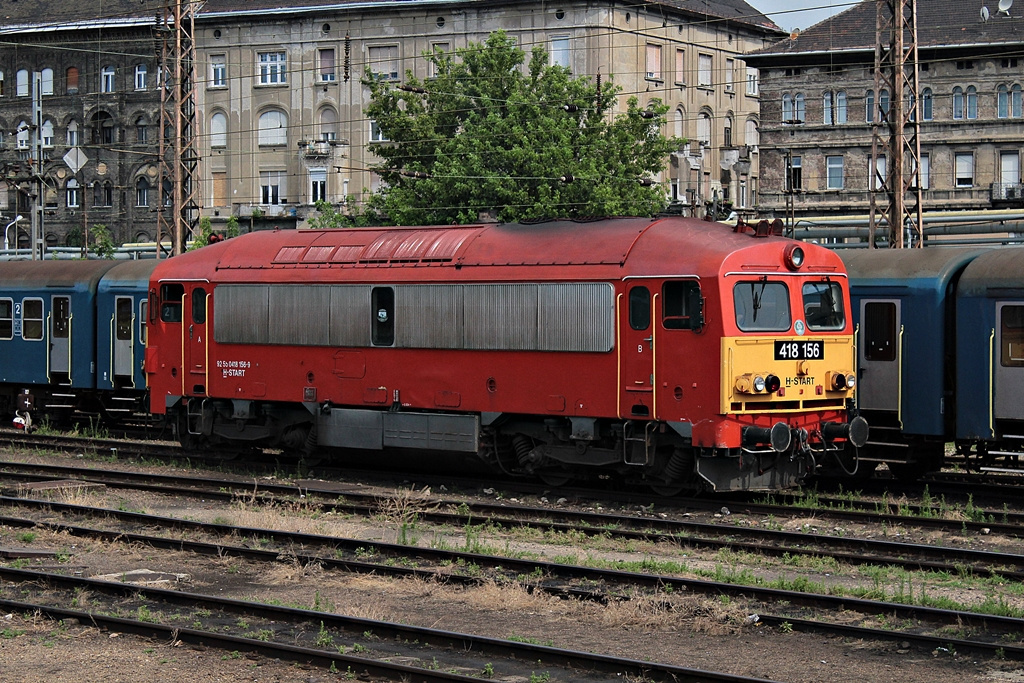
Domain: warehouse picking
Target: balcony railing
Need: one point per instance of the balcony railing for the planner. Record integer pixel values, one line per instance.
(1010, 192)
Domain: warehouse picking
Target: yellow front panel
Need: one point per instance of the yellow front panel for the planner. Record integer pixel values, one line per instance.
(804, 376)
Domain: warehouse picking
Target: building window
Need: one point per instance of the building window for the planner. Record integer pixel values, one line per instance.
(869, 106)
(141, 130)
(1, 83)
(46, 81)
(926, 104)
(834, 172)
(834, 107)
(142, 192)
(317, 186)
(653, 62)
(971, 100)
(73, 198)
(219, 130)
(840, 109)
(326, 63)
(72, 134)
(22, 134)
(437, 48)
(883, 104)
(272, 68)
(958, 102)
(107, 79)
(680, 67)
(218, 71)
(273, 128)
(925, 172)
(876, 175)
(328, 124)
(22, 77)
(376, 134)
(795, 179)
(753, 88)
(141, 74)
(47, 133)
(730, 75)
(704, 128)
(271, 187)
(384, 62)
(727, 132)
(102, 194)
(750, 135)
(704, 70)
(71, 76)
(560, 51)
(963, 169)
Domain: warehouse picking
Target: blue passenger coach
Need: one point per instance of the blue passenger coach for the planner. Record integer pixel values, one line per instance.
(904, 306)
(990, 349)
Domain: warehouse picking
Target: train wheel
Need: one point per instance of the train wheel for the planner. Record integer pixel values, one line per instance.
(669, 490)
(555, 478)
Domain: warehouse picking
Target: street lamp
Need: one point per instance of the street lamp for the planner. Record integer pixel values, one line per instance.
(8, 229)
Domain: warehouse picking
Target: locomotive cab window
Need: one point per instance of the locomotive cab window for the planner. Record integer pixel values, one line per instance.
(879, 328)
(170, 302)
(639, 308)
(1011, 335)
(762, 306)
(32, 319)
(199, 306)
(823, 306)
(6, 318)
(681, 306)
(383, 308)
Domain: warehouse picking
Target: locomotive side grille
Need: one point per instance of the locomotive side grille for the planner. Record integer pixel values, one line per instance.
(350, 315)
(438, 314)
(576, 317)
(501, 317)
(296, 314)
(241, 315)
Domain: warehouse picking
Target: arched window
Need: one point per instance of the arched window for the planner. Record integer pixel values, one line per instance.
(142, 192)
(678, 123)
(798, 108)
(273, 128)
(727, 132)
(972, 102)
(73, 198)
(1002, 102)
(219, 130)
(22, 77)
(841, 106)
(71, 76)
(107, 78)
(826, 108)
(328, 124)
(102, 194)
(102, 128)
(22, 131)
(72, 134)
(751, 138)
(704, 128)
(926, 104)
(2, 93)
(787, 108)
(47, 133)
(1015, 101)
(141, 129)
(869, 106)
(958, 102)
(883, 103)
(46, 78)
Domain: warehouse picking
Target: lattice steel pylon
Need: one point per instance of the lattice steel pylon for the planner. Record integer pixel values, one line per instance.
(178, 213)
(896, 129)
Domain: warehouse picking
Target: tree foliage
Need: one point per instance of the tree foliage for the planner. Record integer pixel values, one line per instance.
(485, 135)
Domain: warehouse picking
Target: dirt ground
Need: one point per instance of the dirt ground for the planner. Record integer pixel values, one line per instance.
(685, 630)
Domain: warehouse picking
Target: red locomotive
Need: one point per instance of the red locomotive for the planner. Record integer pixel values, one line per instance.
(681, 353)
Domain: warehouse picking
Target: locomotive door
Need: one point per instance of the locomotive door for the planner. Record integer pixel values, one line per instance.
(1008, 361)
(196, 338)
(880, 355)
(636, 376)
(60, 339)
(123, 347)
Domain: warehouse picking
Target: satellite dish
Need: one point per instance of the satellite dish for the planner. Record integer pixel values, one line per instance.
(1004, 6)
(984, 13)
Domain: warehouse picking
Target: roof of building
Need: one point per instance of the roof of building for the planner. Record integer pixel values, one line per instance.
(940, 24)
(40, 14)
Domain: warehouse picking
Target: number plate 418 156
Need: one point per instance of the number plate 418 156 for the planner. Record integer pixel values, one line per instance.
(805, 349)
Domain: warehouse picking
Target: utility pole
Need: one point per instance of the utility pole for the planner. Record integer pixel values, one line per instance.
(179, 157)
(896, 130)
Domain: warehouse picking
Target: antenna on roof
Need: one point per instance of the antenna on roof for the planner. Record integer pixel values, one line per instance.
(984, 13)
(1004, 7)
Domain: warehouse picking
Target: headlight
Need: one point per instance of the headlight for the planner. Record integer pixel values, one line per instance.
(794, 257)
(759, 383)
(838, 381)
(851, 381)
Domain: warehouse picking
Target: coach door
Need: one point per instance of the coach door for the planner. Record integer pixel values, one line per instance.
(636, 396)
(880, 353)
(123, 350)
(1009, 361)
(198, 303)
(60, 339)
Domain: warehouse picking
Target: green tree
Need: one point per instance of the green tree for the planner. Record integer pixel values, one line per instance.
(103, 240)
(231, 228)
(203, 238)
(487, 135)
(327, 216)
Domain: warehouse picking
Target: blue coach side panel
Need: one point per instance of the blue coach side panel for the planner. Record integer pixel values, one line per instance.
(47, 322)
(121, 312)
(990, 346)
(903, 306)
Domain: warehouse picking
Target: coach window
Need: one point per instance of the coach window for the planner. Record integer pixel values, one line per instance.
(199, 306)
(823, 305)
(762, 306)
(61, 317)
(383, 307)
(681, 303)
(143, 307)
(123, 318)
(6, 319)
(32, 319)
(1011, 322)
(879, 327)
(639, 308)
(170, 302)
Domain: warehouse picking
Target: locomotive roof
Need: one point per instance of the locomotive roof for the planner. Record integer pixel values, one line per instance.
(43, 274)
(999, 272)
(651, 246)
(906, 268)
